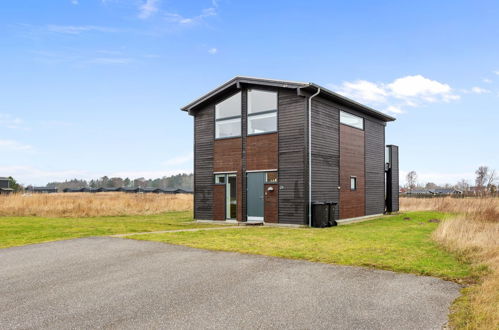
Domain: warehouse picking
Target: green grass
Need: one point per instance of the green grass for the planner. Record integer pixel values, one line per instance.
(390, 243)
(15, 231)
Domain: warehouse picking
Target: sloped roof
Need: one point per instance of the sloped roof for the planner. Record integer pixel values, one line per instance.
(235, 82)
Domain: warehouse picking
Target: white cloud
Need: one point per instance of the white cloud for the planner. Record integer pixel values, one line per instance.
(9, 121)
(364, 91)
(479, 90)
(496, 72)
(78, 29)
(179, 160)
(408, 91)
(111, 60)
(176, 18)
(74, 2)
(419, 87)
(487, 80)
(11, 145)
(213, 51)
(148, 8)
(394, 110)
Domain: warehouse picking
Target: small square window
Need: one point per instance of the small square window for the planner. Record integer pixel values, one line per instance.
(220, 178)
(271, 177)
(353, 183)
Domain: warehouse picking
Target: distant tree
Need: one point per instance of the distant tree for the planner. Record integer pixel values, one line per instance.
(411, 179)
(484, 178)
(463, 185)
(126, 182)
(14, 185)
(431, 185)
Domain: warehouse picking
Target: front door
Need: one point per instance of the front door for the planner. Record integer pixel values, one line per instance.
(255, 192)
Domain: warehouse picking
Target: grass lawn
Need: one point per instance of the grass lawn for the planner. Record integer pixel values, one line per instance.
(390, 243)
(15, 231)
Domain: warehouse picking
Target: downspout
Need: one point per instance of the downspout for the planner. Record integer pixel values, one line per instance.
(310, 156)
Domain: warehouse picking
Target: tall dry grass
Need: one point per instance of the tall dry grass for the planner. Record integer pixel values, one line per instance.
(472, 232)
(90, 205)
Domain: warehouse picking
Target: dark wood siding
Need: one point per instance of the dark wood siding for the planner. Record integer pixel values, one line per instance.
(395, 177)
(352, 202)
(325, 151)
(203, 163)
(291, 126)
(375, 167)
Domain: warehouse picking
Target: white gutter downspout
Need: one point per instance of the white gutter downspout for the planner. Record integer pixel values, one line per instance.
(310, 156)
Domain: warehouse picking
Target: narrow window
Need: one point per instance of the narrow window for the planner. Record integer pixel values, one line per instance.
(262, 111)
(351, 120)
(353, 183)
(228, 117)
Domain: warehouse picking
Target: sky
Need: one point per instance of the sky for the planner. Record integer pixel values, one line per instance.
(93, 87)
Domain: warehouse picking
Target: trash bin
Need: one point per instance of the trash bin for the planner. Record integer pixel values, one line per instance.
(331, 218)
(319, 214)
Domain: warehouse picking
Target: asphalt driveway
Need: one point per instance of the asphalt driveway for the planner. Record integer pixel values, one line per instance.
(121, 283)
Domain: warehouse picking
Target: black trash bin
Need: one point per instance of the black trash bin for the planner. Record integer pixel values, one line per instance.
(319, 214)
(331, 218)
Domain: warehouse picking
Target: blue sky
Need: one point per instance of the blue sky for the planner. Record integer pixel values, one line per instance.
(93, 87)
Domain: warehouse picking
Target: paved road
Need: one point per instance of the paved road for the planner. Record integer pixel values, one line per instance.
(121, 283)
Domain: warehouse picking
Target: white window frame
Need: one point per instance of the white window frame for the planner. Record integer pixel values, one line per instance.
(229, 118)
(264, 112)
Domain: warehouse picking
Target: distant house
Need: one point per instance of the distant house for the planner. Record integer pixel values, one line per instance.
(112, 189)
(152, 190)
(5, 186)
(446, 191)
(418, 192)
(75, 190)
(42, 190)
(131, 190)
(184, 191)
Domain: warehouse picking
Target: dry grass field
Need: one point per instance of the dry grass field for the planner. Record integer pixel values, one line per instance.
(472, 232)
(77, 205)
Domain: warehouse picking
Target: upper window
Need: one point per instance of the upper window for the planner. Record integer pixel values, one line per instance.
(228, 117)
(262, 111)
(351, 120)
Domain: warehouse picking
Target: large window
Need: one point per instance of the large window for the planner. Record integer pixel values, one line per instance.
(351, 120)
(228, 117)
(262, 111)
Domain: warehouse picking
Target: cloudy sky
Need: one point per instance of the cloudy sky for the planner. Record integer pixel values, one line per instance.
(93, 87)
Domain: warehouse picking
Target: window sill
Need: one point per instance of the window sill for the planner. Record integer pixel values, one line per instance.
(254, 134)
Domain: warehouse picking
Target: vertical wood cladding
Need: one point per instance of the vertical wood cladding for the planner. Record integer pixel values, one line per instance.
(228, 158)
(219, 202)
(375, 167)
(291, 126)
(203, 163)
(325, 151)
(261, 152)
(271, 206)
(395, 177)
(352, 202)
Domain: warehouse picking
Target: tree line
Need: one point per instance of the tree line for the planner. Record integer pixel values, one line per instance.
(485, 182)
(182, 181)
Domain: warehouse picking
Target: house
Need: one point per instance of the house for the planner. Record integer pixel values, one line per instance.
(151, 190)
(43, 190)
(446, 191)
(258, 157)
(112, 189)
(5, 186)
